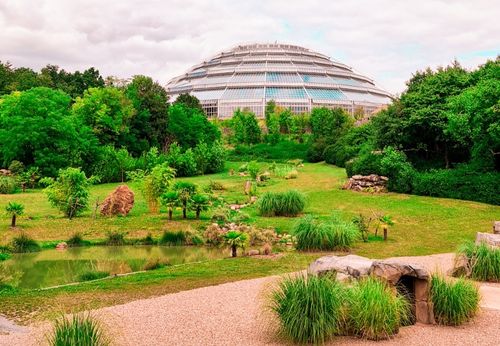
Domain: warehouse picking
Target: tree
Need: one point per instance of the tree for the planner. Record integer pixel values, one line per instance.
(170, 199)
(107, 111)
(69, 192)
(199, 203)
(14, 209)
(186, 190)
(246, 127)
(235, 240)
(125, 162)
(188, 101)
(157, 183)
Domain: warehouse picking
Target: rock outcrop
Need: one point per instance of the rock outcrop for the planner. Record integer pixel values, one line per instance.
(118, 202)
(350, 266)
(491, 239)
(496, 227)
(368, 183)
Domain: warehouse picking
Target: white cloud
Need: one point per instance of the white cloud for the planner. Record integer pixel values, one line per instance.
(386, 40)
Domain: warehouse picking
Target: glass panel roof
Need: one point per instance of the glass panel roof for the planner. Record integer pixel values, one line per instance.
(366, 97)
(285, 93)
(325, 94)
(243, 93)
(276, 77)
(320, 79)
(248, 77)
(208, 94)
(218, 79)
(346, 81)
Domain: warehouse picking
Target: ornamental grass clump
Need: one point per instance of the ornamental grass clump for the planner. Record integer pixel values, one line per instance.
(332, 234)
(483, 261)
(173, 238)
(288, 203)
(309, 308)
(454, 302)
(375, 311)
(92, 275)
(23, 243)
(79, 330)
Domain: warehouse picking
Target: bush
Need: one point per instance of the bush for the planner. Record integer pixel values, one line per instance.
(76, 240)
(4, 256)
(376, 311)
(400, 172)
(309, 309)
(8, 185)
(81, 330)
(92, 275)
(483, 260)
(333, 234)
(23, 243)
(156, 263)
(281, 152)
(173, 238)
(115, 239)
(454, 302)
(147, 240)
(289, 203)
(184, 163)
(368, 162)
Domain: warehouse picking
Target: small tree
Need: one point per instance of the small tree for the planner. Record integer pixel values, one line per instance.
(170, 199)
(14, 209)
(69, 192)
(235, 240)
(199, 203)
(157, 183)
(185, 190)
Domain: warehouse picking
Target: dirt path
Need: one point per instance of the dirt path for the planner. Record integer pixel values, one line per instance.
(231, 314)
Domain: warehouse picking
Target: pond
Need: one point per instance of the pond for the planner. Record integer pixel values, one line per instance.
(56, 267)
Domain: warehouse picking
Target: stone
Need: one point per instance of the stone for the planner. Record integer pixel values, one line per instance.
(424, 312)
(496, 227)
(392, 271)
(61, 246)
(368, 183)
(120, 201)
(490, 239)
(253, 199)
(422, 288)
(253, 252)
(351, 265)
(248, 187)
(5, 172)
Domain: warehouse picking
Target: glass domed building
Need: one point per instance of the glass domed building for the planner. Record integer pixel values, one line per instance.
(248, 76)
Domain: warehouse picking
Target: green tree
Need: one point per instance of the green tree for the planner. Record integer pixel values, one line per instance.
(186, 190)
(246, 127)
(170, 199)
(14, 210)
(199, 203)
(235, 240)
(188, 101)
(157, 183)
(69, 192)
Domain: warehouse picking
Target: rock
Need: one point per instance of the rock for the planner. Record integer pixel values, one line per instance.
(496, 227)
(253, 199)
(120, 201)
(392, 271)
(62, 246)
(253, 252)
(351, 265)
(492, 240)
(461, 267)
(370, 183)
(248, 187)
(5, 172)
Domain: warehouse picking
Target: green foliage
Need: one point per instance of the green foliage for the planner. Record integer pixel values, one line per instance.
(4, 256)
(288, 203)
(349, 145)
(111, 164)
(309, 309)
(156, 183)
(115, 239)
(76, 240)
(16, 167)
(368, 162)
(8, 185)
(375, 310)
(173, 238)
(483, 261)
(235, 240)
(199, 203)
(156, 263)
(69, 192)
(281, 151)
(253, 168)
(184, 163)
(332, 234)
(92, 275)
(185, 190)
(81, 330)
(454, 302)
(23, 243)
(400, 172)
(189, 101)
(14, 209)
(170, 199)
(246, 128)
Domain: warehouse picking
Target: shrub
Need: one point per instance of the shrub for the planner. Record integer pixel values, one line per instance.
(454, 302)
(214, 234)
(483, 261)
(235, 240)
(366, 163)
(253, 169)
(376, 311)
(281, 151)
(75, 240)
(23, 243)
(183, 163)
(4, 256)
(173, 238)
(147, 240)
(115, 239)
(156, 263)
(259, 236)
(333, 234)
(216, 186)
(309, 309)
(400, 172)
(289, 203)
(8, 185)
(92, 275)
(81, 330)
(156, 183)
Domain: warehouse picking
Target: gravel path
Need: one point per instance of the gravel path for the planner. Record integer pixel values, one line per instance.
(231, 314)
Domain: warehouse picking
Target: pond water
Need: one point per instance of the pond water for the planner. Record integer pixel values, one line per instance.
(55, 267)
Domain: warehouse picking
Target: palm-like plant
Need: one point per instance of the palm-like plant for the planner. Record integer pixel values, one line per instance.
(185, 190)
(235, 240)
(14, 210)
(199, 203)
(170, 199)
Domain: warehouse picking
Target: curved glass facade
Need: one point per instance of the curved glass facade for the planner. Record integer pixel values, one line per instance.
(248, 76)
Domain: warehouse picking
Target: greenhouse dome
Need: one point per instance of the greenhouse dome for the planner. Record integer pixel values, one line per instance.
(248, 76)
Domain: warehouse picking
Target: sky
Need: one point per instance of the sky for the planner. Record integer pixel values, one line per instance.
(386, 40)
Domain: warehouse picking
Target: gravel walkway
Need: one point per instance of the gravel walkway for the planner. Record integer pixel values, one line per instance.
(231, 314)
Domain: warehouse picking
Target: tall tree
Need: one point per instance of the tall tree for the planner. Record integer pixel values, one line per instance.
(189, 101)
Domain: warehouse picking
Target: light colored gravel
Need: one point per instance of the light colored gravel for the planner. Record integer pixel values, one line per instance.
(231, 314)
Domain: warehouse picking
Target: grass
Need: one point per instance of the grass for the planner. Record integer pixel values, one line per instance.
(23, 243)
(333, 234)
(309, 309)
(92, 275)
(455, 302)
(4, 256)
(115, 239)
(79, 330)
(173, 238)
(483, 260)
(288, 203)
(375, 311)
(76, 240)
(155, 263)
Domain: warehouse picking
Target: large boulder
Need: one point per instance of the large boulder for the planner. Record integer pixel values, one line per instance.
(392, 271)
(496, 227)
(488, 238)
(118, 202)
(350, 266)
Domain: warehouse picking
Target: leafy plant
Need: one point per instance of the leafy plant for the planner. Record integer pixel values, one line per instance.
(454, 302)
(253, 169)
(363, 224)
(199, 203)
(289, 203)
(173, 238)
(170, 199)
(14, 210)
(185, 190)
(23, 243)
(483, 261)
(115, 239)
(8, 185)
(235, 240)
(81, 330)
(156, 183)
(75, 240)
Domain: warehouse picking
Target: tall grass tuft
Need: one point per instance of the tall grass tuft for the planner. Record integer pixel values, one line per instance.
(23, 243)
(79, 330)
(309, 309)
(376, 312)
(173, 238)
(454, 302)
(76, 240)
(483, 260)
(288, 203)
(333, 234)
(92, 275)
(115, 239)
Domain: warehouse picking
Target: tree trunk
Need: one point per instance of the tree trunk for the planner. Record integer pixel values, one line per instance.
(233, 250)
(23, 185)
(170, 213)
(198, 214)
(446, 158)
(184, 211)
(385, 233)
(13, 223)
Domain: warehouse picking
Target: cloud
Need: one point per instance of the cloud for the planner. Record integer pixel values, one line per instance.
(386, 40)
